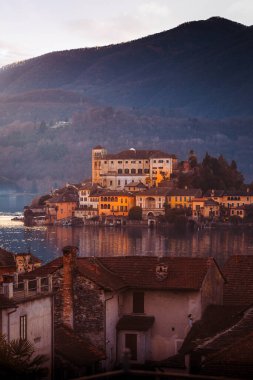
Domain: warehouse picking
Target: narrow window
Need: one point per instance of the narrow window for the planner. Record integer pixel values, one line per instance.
(138, 302)
(131, 344)
(23, 327)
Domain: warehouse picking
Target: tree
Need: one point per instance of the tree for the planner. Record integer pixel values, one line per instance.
(17, 360)
(135, 213)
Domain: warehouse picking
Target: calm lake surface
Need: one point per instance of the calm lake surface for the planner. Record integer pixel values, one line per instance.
(47, 242)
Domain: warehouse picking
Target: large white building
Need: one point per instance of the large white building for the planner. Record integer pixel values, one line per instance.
(114, 171)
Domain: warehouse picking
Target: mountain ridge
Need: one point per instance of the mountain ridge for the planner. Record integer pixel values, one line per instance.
(180, 68)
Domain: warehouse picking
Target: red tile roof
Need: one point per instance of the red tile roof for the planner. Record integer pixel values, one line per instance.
(236, 360)
(216, 318)
(135, 322)
(238, 271)
(184, 273)
(140, 271)
(185, 192)
(76, 350)
(7, 259)
(138, 154)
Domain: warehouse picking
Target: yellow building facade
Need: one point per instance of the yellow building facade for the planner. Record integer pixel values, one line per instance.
(182, 198)
(115, 203)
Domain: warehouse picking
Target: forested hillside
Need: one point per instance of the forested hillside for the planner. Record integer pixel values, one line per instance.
(187, 88)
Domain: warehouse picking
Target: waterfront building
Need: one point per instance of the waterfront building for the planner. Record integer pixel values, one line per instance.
(115, 203)
(61, 205)
(152, 201)
(182, 198)
(114, 171)
(205, 208)
(88, 194)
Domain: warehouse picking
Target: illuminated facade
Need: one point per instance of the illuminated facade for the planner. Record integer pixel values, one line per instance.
(114, 171)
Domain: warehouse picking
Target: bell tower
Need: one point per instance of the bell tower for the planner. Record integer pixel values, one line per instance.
(98, 153)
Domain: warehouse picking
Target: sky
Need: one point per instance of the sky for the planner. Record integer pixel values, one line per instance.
(29, 28)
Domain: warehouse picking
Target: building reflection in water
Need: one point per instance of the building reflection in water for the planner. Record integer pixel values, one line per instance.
(110, 241)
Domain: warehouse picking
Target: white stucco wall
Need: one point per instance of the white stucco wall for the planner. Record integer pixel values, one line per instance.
(112, 316)
(39, 325)
(171, 310)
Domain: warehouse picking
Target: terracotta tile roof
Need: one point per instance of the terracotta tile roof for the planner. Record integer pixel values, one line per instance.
(64, 197)
(76, 350)
(139, 184)
(100, 274)
(231, 334)
(214, 193)
(116, 193)
(185, 192)
(44, 270)
(7, 259)
(162, 191)
(238, 271)
(140, 271)
(6, 303)
(236, 360)
(216, 318)
(135, 322)
(184, 273)
(138, 154)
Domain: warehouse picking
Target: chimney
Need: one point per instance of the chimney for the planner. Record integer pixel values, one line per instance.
(8, 285)
(69, 261)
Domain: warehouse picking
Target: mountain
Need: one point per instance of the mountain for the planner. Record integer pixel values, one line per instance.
(201, 68)
(187, 88)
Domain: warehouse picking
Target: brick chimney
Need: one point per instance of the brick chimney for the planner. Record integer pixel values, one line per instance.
(69, 262)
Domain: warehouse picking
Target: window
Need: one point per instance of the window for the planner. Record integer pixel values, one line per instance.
(119, 171)
(154, 160)
(133, 171)
(131, 344)
(132, 162)
(23, 327)
(105, 162)
(118, 182)
(119, 162)
(146, 171)
(138, 302)
(140, 171)
(110, 183)
(160, 161)
(126, 171)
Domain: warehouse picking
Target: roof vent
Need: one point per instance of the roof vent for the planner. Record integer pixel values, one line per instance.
(134, 150)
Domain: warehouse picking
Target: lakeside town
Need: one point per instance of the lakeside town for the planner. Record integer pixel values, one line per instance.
(84, 316)
(142, 187)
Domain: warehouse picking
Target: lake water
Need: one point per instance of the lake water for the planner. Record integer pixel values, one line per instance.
(47, 242)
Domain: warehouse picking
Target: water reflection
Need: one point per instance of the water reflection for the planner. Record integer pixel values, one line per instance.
(47, 243)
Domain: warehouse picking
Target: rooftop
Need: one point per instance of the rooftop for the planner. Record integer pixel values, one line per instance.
(143, 272)
(7, 259)
(238, 271)
(76, 350)
(139, 154)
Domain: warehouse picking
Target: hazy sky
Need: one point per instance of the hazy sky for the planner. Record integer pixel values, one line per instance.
(30, 28)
